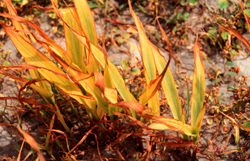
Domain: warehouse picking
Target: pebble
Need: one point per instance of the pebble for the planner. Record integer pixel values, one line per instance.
(4, 132)
(4, 142)
(9, 138)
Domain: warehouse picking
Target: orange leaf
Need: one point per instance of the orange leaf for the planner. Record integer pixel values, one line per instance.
(137, 107)
(32, 143)
(238, 35)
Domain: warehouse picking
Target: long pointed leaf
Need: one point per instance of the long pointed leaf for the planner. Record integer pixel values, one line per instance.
(198, 88)
(88, 25)
(75, 48)
(148, 61)
(168, 86)
(166, 123)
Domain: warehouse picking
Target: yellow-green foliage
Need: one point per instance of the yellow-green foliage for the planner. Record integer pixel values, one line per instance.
(83, 60)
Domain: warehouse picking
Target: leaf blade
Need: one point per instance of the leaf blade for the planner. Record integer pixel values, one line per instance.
(149, 64)
(75, 48)
(198, 89)
(88, 25)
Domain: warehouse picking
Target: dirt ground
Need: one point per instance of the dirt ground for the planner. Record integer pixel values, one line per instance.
(217, 139)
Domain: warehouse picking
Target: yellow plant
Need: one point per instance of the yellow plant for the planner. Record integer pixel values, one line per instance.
(79, 73)
(151, 59)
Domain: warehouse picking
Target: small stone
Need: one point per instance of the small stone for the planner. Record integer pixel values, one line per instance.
(231, 147)
(4, 142)
(9, 138)
(4, 133)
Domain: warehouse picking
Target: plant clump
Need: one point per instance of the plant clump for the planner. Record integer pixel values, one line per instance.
(86, 107)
